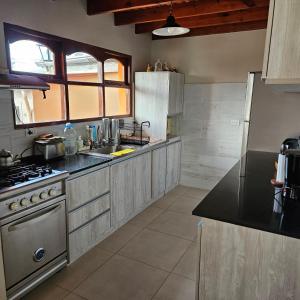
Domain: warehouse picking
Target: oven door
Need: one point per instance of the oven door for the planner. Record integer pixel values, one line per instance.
(32, 241)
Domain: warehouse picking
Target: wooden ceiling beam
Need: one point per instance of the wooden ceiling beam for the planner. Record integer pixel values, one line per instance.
(95, 7)
(250, 15)
(249, 3)
(245, 26)
(181, 10)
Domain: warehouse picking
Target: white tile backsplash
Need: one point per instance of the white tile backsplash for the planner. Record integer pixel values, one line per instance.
(211, 131)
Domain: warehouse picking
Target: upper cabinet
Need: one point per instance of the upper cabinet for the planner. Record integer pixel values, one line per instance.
(157, 96)
(282, 49)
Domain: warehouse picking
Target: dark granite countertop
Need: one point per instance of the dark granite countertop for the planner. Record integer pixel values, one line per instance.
(71, 164)
(246, 198)
(77, 163)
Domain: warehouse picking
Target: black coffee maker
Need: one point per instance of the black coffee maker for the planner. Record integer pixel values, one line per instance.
(291, 149)
(292, 174)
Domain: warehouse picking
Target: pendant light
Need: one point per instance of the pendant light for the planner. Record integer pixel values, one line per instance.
(171, 28)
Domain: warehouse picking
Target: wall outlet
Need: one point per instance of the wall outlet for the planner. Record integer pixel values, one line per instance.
(235, 123)
(30, 131)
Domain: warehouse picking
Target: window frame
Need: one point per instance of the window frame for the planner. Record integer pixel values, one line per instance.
(62, 47)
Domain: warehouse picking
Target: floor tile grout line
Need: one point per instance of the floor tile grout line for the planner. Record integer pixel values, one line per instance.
(182, 275)
(181, 257)
(154, 295)
(142, 262)
(148, 222)
(86, 277)
(174, 235)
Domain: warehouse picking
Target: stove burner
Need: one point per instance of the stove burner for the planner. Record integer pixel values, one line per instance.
(21, 173)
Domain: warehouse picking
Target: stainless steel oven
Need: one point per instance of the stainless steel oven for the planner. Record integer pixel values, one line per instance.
(33, 234)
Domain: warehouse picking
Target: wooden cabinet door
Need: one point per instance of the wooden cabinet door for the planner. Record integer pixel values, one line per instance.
(122, 206)
(173, 165)
(159, 168)
(237, 263)
(142, 180)
(283, 58)
(87, 187)
(176, 85)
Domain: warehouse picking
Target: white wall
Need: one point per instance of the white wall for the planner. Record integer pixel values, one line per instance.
(275, 116)
(211, 132)
(66, 18)
(213, 58)
(211, 142)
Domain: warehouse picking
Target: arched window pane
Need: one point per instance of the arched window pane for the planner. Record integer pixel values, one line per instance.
(83, 67)
(32, 57)
(113, 70)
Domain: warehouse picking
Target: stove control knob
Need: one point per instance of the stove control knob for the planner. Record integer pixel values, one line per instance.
(53, 192)
(34, 198)
(14, 206)
(43, 195)
(24, 202)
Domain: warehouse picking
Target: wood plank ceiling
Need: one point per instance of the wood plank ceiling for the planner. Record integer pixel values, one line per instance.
(203, 17)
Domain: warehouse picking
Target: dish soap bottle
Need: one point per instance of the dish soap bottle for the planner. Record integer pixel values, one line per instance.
(70, 139)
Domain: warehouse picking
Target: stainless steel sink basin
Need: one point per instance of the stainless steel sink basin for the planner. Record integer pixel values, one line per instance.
(107, 150)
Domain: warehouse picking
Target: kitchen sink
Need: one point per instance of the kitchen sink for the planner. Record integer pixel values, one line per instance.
(107, 150)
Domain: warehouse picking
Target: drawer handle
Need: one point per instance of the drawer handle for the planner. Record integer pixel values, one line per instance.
(34, 219)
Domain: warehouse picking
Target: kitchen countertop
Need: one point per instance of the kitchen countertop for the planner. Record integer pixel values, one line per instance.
(77, 163)
(248, 200)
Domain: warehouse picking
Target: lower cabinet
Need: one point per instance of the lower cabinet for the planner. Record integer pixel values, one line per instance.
(87, 236)
(158, 176)
(104, 199)
(122, 191)
(173, 165)
(89, 210)
(142, 180)
(130, 187)
(238, 262)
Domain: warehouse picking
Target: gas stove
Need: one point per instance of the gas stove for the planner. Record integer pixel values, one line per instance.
(24, 174)
(15, 175)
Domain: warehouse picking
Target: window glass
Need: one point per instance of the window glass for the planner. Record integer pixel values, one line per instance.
(85, 102)
(83, 67)
(30, 107)
(113, 70)
(31, 57)
(117, 101)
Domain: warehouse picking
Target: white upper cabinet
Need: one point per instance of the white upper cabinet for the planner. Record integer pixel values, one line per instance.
(157, 96)
(282, 49)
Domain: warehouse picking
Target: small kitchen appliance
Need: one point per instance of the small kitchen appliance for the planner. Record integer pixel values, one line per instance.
(49, 146)
(292, 174)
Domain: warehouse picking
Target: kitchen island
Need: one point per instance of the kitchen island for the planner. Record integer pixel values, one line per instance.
(246, 251)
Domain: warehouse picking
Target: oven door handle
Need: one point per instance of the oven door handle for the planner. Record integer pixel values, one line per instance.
(34, 219)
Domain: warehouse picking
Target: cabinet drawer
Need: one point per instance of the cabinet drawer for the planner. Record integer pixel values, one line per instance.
(88, 212)
(87, 187)
(86, 237)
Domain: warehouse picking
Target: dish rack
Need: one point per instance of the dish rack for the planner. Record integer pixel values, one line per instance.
(136, 136)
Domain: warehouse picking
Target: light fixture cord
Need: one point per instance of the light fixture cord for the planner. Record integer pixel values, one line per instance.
(171, 8)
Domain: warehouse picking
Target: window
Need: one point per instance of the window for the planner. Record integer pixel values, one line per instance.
(117, 101)
(30, 56)
(113, 70)
(83, 67)
(30, 107)
(86, 82)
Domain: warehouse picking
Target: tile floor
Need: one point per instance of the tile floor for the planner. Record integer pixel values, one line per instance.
(153, 256)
